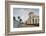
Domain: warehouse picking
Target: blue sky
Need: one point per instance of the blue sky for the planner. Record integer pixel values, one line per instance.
(23, 12)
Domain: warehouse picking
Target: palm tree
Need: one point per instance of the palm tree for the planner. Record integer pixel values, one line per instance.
(20, 20)
(14, 18)
(18, 17)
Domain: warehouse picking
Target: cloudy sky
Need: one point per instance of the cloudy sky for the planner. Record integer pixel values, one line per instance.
(23, 12)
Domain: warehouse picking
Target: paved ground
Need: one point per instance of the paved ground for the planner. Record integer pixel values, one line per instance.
(26, 25)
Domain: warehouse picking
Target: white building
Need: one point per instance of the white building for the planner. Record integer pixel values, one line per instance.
(33, 18)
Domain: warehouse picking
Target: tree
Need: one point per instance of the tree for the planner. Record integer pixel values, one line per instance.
(14, 18)
(18, 17)
(20, 20)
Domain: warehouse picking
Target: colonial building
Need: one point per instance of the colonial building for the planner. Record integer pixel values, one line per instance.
(33, 18)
